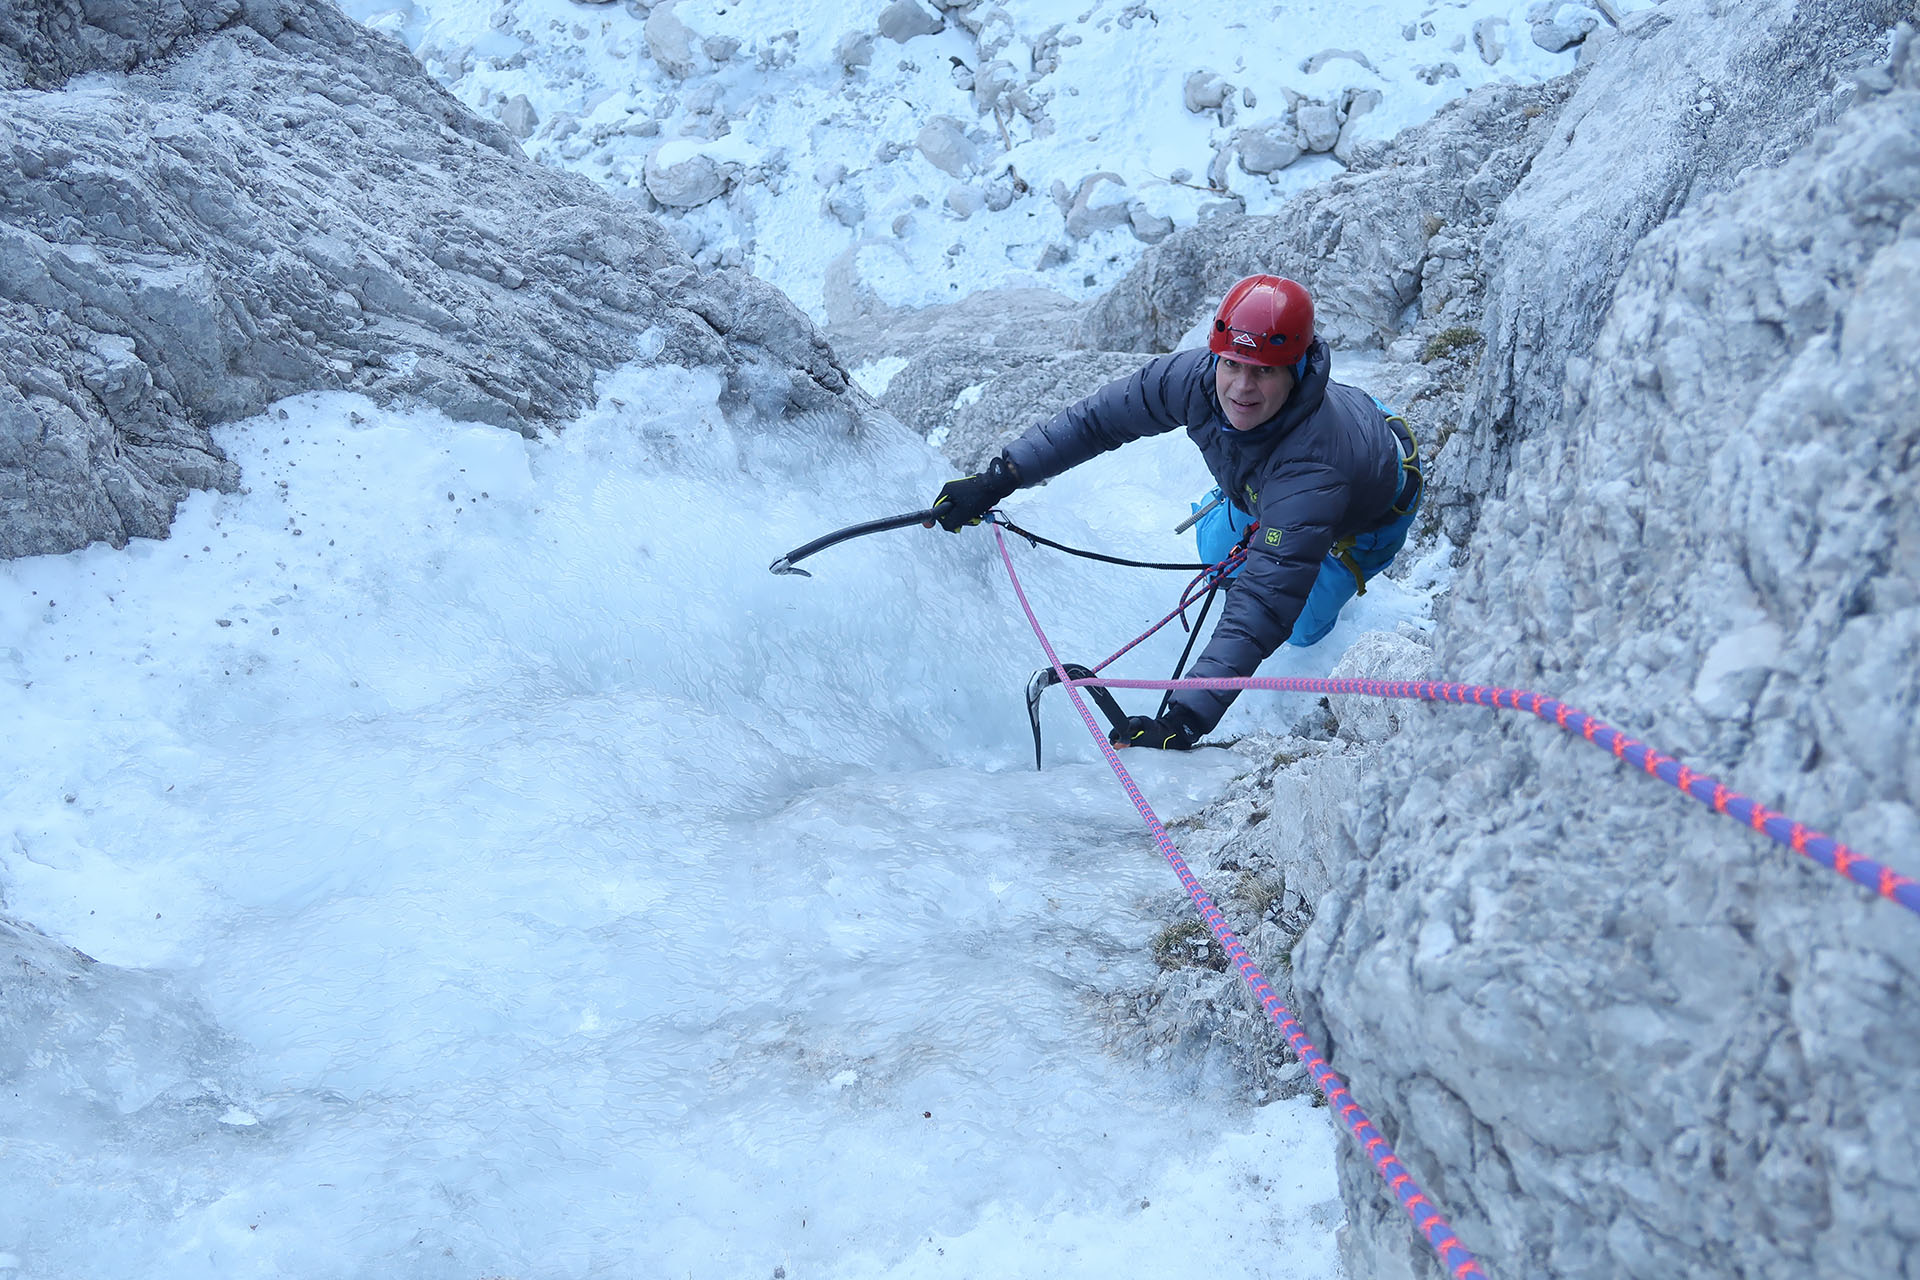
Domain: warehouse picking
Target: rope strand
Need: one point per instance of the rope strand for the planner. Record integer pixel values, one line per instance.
(1432, 1226)
(1778, 827)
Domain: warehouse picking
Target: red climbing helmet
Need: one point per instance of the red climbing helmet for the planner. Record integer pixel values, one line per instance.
(1263, 320)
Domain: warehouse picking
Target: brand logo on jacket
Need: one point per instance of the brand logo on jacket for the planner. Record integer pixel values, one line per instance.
(1273, 537)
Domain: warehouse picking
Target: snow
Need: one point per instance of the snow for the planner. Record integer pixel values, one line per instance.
(1112, 74)
(545, 888)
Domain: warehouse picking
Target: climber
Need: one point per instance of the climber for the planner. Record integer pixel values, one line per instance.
(1332, 478)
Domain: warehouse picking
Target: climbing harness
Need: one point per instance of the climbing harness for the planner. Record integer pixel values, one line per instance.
(1412, 479)
(1406, 496)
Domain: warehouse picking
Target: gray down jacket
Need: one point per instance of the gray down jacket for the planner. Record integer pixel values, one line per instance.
(1326, 467)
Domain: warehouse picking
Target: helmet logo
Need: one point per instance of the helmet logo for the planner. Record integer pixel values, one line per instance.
(1244, 340)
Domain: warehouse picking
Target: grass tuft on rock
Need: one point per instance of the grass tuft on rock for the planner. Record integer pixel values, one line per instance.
(1447, 341)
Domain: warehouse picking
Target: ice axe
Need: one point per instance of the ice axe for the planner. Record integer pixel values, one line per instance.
(1046, 677)
(786, 563)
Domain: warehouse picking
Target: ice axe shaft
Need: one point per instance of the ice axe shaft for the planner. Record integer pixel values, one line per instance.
(786, 563)
(1194, 519)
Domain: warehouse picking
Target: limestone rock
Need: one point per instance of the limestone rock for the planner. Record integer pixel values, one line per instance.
(854, 51)
(847, 206)
(1318, 123)
(1206, 91)
(1085, 216)
(964, 200)
(1560, 27)
(518, 117)
(682, 178)
(944, 142)
(1378, 655)
(1489, 37)
(1148, 228)
(1360, 103)
(902, 20)
(669, 42)
(1270, 146)
(282, 201)
(1325, 56)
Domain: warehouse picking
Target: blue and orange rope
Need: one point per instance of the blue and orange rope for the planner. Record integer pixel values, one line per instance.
(1709, 791)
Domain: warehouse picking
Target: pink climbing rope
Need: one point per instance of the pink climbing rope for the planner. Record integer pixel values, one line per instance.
(1195, 590)
(1709, 791)
(1427, 1219)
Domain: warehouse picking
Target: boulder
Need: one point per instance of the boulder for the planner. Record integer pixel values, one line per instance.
(1269, 147)
(1325, 56)
(1206, 91)
(669, 42)
(681, 177)
(1489, 37)
(964, 200)
(1085, 216)
(518, 117)
(944, 143)
(1563, 26)
(1148, 228)
(854, 51)
(847, 206)
(1318, 124)
(902, 20)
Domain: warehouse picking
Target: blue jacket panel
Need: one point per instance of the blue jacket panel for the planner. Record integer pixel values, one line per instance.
(1325, 467)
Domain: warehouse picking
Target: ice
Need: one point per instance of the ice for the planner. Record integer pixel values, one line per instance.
(524, 881)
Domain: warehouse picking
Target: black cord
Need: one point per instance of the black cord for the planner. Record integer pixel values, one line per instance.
(1037, 540)
(1193, 634)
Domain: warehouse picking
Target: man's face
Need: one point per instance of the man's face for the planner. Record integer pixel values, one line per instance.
(1250, 393)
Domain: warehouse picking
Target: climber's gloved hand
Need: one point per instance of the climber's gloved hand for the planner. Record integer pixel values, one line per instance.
(1167, 732)
(964, 501)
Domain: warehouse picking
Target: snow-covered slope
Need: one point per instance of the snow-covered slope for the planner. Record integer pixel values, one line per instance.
(926, 151)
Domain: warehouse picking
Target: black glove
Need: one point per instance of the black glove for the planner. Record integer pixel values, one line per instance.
(965, 500)
(1167, 733)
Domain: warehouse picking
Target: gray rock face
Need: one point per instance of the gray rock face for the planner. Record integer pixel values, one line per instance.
(287, 204)
(1008, 351)
(1615, 1034)
(1711, 90)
